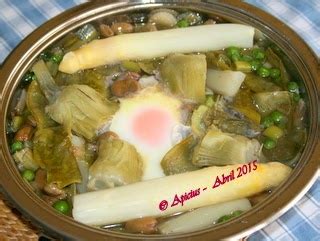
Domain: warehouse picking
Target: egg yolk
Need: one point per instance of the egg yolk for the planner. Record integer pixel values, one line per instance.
(152, 126)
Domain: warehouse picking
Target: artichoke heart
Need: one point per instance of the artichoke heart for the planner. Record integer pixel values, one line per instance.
(219, 148)
(118, 164)
(82, 109)
(178, 159)
(186, 75)
(267, 102)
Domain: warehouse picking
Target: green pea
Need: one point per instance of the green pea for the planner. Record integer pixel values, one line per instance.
(56, 58)
(61, 206)
(28, 175)
(236, 213)
(233, 53)
(182, 23)
(293, 87)
(277, 117)
(17, 146)
(268, 143)
(246, 58)
(27, 78)
(275, 73)
(267, 121)
(46, 56)
(296, 97)
(224, 218)
(258, 54)
(255, 65)
(263, 72)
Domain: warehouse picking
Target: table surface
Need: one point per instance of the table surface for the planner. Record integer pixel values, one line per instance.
(302, 222)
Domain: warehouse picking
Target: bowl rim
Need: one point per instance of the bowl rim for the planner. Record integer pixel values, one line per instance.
(291, 191)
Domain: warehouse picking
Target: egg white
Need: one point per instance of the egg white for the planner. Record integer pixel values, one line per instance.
(122, 125)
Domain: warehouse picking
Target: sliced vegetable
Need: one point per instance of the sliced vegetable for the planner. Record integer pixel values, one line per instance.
(276, 62)
(178, 159)
(239, 127)
(45, 80)
(259, 84)
(186, 75)
(202, 217)
(242, 66)
(218, 148)
(273, 132)
(52, 152)
(226, 82)
(118, 164)
(156, 44)
(36, 103)
(93, 208)
(267, 102)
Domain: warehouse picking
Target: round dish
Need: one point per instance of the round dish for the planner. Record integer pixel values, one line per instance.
(300, 180)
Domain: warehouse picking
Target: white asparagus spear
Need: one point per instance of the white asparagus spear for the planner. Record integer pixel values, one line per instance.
(157, 44)
(202, 217)
(147, 198)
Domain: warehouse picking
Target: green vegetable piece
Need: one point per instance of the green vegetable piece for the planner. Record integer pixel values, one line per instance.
(230, 216)
(28, 175)
(46, 55)
(242, 66)
(269, 143)
(27, 78)
(197, 120)
(273, 132)
(293, 87)
(247, 58)
(131, 66)
(263, 72)
(255, 65)
(178, 159)
(186, 75)
(266, 102)
(36, 103)
(61, 206)
(17, 146)
(296, 97)
(267, 121)
(259, 84)
(182, 23)
(276, 62)
(224, 218)
(233, 52)
(218, 60)
(210, 101)
(56, 58)
(52, 151)
(16, 123)
(275, 73)
(258, 54)
(45, 80)
(277, 117)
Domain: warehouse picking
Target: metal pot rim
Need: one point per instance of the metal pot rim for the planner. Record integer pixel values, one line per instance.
(291, 191)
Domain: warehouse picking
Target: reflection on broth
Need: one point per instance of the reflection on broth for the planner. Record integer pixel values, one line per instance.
(157, 122)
